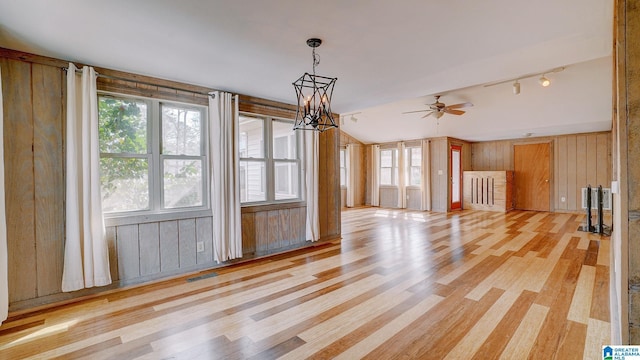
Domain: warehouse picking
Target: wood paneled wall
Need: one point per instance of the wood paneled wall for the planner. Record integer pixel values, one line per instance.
(578, 160)
(439, 174)
(272, 228)
(360, 168)
(33, 97)
(329, 185)
(34, 112)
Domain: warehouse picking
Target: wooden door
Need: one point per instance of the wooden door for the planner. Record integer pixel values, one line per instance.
(532, 176)
(455, 190)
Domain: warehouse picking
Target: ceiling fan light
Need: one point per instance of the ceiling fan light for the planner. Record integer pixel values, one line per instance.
(544, 81)
(516, 87)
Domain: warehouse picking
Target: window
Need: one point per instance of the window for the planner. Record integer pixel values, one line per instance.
(252, 159)
(152, 155)
(269, 160)
(343, 168)
(413, 161)
(389, 167)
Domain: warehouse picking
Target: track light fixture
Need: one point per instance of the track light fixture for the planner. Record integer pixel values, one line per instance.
(544, 81)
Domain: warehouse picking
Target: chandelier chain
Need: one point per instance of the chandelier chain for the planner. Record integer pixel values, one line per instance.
(316, 60)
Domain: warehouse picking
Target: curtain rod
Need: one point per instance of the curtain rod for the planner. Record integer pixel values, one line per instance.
(210, 93)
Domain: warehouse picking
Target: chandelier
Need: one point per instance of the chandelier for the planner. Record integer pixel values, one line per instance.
(314, 97)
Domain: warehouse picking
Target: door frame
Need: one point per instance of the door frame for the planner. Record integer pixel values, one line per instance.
(455, 205)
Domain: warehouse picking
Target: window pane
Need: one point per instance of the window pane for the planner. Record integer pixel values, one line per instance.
(415, 175)
(124, 184)
(416, 156)
(251, 137)
(386, 158)
(342, 155)
(181, 131)
(286, 180)
(343, 176)
(252, 181)
(385, 176)
(122, 125)
(284, 140)
(182, 183)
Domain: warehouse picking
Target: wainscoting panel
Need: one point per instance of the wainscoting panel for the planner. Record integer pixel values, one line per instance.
(272, 228)
(169, 246)
(389, 197)
(414, 198)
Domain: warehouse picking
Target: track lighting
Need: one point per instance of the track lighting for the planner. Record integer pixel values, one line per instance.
(544, 81)
(516, 87)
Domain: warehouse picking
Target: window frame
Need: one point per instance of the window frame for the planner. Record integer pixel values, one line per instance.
(270, 161)
(155, 158)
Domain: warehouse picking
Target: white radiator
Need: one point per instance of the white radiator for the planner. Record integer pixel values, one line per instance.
(606, 198)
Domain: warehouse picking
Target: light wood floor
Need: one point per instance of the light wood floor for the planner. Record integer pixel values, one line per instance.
(401, 284)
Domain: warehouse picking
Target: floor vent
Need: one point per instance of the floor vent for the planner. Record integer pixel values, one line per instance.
(201, 277)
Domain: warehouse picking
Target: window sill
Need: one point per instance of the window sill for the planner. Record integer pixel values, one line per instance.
(129, 219)
(272, 206)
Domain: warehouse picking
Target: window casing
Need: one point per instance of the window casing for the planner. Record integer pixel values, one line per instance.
(153, 156)
(389, 167)
(270, 165)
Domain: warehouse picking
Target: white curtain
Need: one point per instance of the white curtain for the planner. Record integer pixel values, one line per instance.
(425, 178)
(86, 253)
(402, 188)
(375, 175)
(225, 183)
(311, 174)
(352, 162)
(4, 278)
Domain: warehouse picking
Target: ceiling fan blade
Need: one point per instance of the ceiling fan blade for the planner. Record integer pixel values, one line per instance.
(417, 111)
(459, 106)
(428, 114)
(454, 112)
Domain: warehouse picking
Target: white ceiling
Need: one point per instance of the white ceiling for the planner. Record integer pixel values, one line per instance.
(389, 57)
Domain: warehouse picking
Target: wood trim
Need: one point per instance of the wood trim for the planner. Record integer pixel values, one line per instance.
(31, 58)
(268, 207)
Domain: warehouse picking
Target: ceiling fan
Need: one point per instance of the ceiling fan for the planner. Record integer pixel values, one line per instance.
(438, 109)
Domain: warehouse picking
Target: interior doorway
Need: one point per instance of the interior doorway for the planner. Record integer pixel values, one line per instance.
(456, 177)
(532, 184)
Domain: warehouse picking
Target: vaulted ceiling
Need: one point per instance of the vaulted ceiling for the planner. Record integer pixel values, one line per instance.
(389, 57)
